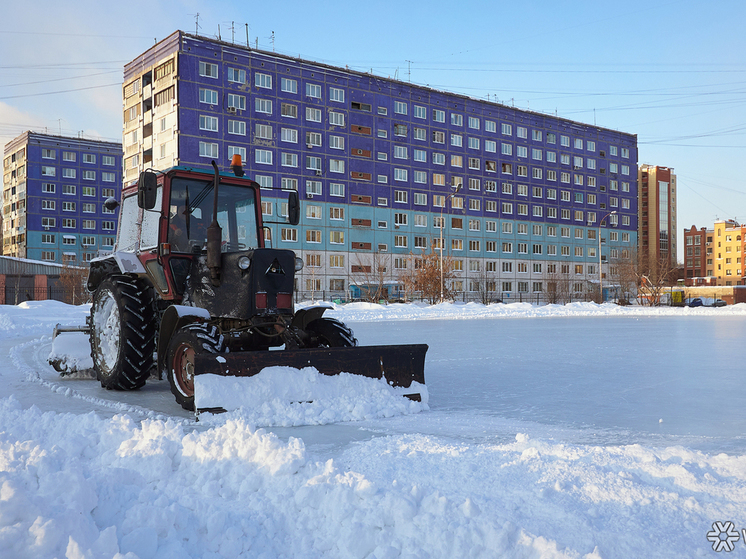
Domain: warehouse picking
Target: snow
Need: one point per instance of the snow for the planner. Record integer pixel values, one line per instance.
(578, 431)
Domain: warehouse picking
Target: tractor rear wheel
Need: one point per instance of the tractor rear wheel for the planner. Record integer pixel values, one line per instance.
(329, 332)
(123, 329)
(191, 340)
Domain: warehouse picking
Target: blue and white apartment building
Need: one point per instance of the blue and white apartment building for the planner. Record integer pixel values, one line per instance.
(54, 188)
(377, 163)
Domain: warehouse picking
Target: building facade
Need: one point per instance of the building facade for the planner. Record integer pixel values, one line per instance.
(657, 233)
(723, 254)
(53, 193)
(385, 169)
(698, 259)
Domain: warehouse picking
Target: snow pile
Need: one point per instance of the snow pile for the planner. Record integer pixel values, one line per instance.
(284, 396)
(79, 486)
(71, 353)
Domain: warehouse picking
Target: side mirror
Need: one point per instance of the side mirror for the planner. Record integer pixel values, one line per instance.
(147, 187)
(293, 208)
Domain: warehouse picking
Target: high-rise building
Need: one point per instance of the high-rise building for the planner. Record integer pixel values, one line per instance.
(54, 188)
(657, 230)
(385, 168)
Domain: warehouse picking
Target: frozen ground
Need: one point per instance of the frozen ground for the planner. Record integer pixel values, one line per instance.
(578, 431)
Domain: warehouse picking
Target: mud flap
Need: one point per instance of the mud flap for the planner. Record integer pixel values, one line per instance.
(400, 364)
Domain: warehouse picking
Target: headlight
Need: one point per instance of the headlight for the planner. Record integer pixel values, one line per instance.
(244, 262)
(298, 264)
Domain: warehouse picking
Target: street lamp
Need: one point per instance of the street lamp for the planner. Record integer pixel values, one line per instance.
(600, 270)
(442, 225)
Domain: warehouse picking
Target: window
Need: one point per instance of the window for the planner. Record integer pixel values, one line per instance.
(262, 156)
(288, 85)
(288, 110)
(336, 237)
(208, 70)
(108, 177)
(208, 96)
(289, 159)
(336, 189)
(89, 208)
(457, 119)
(336, 94)
(209, 123)
(536, 135)
(521, 132)
(336, 119)
(68, 223)
(313, 115)
(474, 204)
(507, 207)
(239, 76)
(457, 161)
(400, 108)
(260, 105)
(400, 129)
(69, 189)
(336, 166)
(521, 151)
(89, 175)
(400, 241)
(313, 90)
(48, 204)
(69, 173)
(89, 158)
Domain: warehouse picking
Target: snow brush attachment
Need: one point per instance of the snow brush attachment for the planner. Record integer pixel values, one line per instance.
(400, 365)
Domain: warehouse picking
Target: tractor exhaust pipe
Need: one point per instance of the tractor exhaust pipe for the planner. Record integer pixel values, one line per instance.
(214, 234)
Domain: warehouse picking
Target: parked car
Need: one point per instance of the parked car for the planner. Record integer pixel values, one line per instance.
(696, 302)
(719, 303)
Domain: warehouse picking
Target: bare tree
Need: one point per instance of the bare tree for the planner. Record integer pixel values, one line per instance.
(369, 275)
(557, 279)
(425, 276)
(486, 285)
(73, 281)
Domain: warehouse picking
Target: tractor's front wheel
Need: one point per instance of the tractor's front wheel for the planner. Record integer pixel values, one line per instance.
(329, 332)
(123, 327)
(191, 340)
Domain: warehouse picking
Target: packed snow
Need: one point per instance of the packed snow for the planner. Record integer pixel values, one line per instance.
(578, 431)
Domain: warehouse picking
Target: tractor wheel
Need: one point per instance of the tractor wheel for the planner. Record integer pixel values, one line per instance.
(328, 332)
(191, 340)
(123, 329)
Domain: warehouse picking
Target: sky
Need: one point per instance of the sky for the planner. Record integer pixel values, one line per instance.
(670, 72)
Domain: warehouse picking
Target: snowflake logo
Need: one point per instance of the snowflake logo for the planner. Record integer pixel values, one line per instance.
(723, 536)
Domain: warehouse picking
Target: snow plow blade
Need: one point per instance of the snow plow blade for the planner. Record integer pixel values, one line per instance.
(399, 364)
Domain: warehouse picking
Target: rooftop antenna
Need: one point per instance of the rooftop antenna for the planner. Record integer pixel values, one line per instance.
(219, 39)
(233, 34)
(409, 71)
(247, 36)
(272, 40)
(196, 24)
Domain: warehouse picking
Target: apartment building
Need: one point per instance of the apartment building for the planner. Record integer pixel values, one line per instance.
(657, 221)
(723, 254)
(53, 193)
(386, 168)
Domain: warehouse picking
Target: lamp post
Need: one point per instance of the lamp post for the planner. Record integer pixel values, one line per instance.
(442, 225)
(600, 270)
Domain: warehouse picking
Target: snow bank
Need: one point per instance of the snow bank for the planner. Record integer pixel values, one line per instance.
(367, 312)
(79, 486)
(284, 396)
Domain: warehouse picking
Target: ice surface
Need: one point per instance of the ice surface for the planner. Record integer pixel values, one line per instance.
(542, 439)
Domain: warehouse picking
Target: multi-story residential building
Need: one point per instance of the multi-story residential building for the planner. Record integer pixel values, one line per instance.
(657, 221)
(723, 254)
(378, 163)
(53, 193)
(698, 258)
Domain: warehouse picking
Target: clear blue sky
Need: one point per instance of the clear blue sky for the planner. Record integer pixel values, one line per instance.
(672, 72)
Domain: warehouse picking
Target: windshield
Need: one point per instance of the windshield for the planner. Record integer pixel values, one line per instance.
(190, 213)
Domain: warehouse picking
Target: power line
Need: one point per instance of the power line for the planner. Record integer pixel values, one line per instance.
(118, 84)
